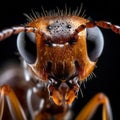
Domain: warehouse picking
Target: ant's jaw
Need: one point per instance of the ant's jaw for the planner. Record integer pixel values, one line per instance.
(63, 92)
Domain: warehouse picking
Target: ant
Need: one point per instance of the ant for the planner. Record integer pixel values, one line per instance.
(58, 53)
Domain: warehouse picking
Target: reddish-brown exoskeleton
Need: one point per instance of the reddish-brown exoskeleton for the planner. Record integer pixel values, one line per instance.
(58, 53)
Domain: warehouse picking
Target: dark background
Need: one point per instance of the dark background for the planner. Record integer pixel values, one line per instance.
(107, 71)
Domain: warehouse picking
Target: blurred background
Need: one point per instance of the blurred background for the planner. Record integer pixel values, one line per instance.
(107, 71)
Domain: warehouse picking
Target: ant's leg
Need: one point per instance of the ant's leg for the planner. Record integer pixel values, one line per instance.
(13, 103)
(88, 111)
(2, 97)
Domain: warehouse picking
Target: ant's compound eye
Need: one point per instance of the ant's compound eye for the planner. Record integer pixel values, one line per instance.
(95, 43)
(27, 47)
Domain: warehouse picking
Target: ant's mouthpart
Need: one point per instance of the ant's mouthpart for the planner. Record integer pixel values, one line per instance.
(64, 91)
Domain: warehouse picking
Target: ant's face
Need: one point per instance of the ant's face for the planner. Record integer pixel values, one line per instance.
(60, 56)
